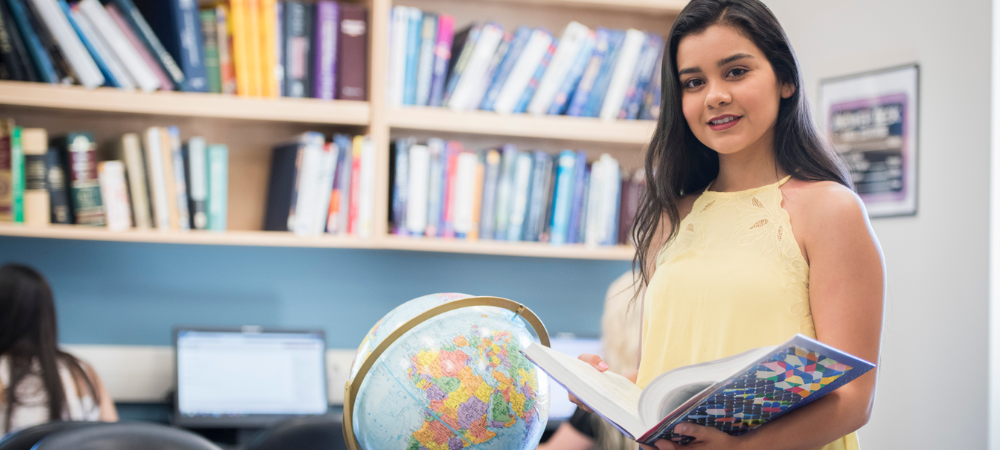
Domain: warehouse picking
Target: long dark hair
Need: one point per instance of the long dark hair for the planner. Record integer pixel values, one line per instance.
(28, 334)
(677, 163)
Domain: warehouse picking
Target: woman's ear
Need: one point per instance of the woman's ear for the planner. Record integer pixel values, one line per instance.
(787, 89)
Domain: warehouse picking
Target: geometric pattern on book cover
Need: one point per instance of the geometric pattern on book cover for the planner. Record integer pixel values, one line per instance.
(755, 397)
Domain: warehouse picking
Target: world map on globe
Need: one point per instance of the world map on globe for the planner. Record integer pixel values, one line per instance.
(457, 380)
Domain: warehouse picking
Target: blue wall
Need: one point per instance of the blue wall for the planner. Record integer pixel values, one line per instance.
(133, 294)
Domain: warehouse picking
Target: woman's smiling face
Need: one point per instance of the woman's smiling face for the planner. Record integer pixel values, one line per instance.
(729, 91)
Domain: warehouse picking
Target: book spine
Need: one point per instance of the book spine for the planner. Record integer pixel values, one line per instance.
(56, 183)
(400, 184)
(22, 63)
(413, 31)
(505, 191)
(539, 189)
(64, 69)
(622, 75)
(298, 28)
(464, 54)
(397, 55)
(532, 87)
(590, 73)
(465, 190)
(477, 196)
(13, 65)
(17, 174)
(651, 102)
(579, 198)
(241, 45)
(192, 46)
(519, 41)
(523, 71)
(39, 56)
(198, 182)
(218, 186)
(436, 186)
(647, 63)
(454, 149)
(84, 188)
(135, 169)
(578, 227)
(479, 93)
(210, 37)
(6, 171)
(34, 142)
(591, 227)
(157, 178)
(569, 46)
(115, 195)
(352, 54)
(545, 225)
(561, 100)
(223, 30)
(180, 179)
(487, 218)
(521, 193)
(442, 58)
(333, 207)
(169, 179)
(307, 186)
(417, 189)
(268, 56)
(148, 39)
(278, 45)
(126, 45)
(365, 209)
(357, 151)
(255, 52)
(345, 182)
(611, 203)
(598, 93)
(85, 39)
(326, 50)
(327, 173)
(114, 70)
(475, 70)
(563, 197)
(425, 66)
(69, 43)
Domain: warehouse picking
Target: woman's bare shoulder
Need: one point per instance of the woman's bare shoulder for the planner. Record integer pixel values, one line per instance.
(820, 204)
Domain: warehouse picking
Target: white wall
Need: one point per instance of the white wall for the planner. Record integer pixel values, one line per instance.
(932, 391)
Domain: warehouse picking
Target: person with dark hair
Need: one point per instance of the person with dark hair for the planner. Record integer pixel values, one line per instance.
(38, 382)
(749, 230)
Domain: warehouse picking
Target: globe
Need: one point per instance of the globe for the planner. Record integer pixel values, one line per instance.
(445, 372)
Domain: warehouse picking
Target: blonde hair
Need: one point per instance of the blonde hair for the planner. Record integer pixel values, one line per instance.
(620, 336)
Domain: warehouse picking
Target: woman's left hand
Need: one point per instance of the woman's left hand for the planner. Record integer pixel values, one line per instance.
(705, 438)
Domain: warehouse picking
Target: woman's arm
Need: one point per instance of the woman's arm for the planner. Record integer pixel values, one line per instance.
(846, 293)
(567, 438)
(107, 406)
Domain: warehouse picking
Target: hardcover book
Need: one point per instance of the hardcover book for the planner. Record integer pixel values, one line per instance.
(352, 53)
(735, 394)
(36, 195)
(298, 34)
(85, 191)
(149, 39)
(442, 58)
(325, 61)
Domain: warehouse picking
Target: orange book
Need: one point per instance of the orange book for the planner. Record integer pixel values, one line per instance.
(269, 59)
(241, 47)
(353, 225)
(254, 38)
(477, 198)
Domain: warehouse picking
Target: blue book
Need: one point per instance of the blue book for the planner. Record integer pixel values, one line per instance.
(177, 24)
(521, 37)
(39, 56)
(425, 64)
(591, 72)
(579, 201)
(565, 178)
(540, 180)
(491, 179)
(413, 31)
(647, 63)
(401, 183)
(109, 79)
(561, 101)
(152, 42)
(596, 98)
(436, 186)
(735, 395)
(529, 91)
(651, 100)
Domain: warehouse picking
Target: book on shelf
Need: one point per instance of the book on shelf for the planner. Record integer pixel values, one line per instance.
(148, 39)
(35, 143)
(196, 164)
(34, 46)
(6, 171)
(70, 46)
(111, 68)
(218, 186)
(114, 193)
(210, 38)
(57, 183)
(351, 57)
(121, 45)
(80, 152)
(735, 395)
(130, 152)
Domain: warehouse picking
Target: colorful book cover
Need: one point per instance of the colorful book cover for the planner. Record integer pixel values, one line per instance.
(413, 31)
(324, 64)
(210, 37)
(180, 178)
(149, 39)
(618, 84)
(398, 34)
(520, 39)
(298, 30)
(109, 78)
(268, 17)
(85, 191)
(37, 207)
(651, 102)
(224, 31)
(442, 58)
(487, 216)
(218, 186)
(196, 162)
(524, 70)
(570, 43)
(532, 87)
(477, 196)
(563, 197)
(561, 100)
(450, 189)
(425, 65)
(278, 43)
(597, 94)
(484, 83)
(490, 39)
(545, 225)
(353, 221)
(634, 99)
(56, 182)
(461, 50)
(590, 73)
(337, 221)
(577, 215)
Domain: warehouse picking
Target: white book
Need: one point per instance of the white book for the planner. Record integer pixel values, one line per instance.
(397, 55)
(475, 70)
(114, 194)
(104, 52)
(307, 186)
(113, 36)
(136, 169)
(519, 196)
(592, 219)
(328, 167)
(611, 197)
(522, 72)
(628, 59)
(505, 191)
(417, 190)
(198, 181)
(72, 48)
(465, 190)
(157, 178)
(569, 46)
(365, 210)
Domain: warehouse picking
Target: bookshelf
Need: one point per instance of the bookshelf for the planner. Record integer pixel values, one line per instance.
(251, 126)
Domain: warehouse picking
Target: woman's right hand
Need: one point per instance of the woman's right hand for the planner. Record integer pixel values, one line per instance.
(597, 363)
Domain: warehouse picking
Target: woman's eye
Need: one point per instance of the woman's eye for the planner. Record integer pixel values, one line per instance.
(737, 72)
(692, 83)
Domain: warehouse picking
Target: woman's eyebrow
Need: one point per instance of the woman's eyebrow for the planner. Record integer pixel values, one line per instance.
(689, 70)
(735, 57)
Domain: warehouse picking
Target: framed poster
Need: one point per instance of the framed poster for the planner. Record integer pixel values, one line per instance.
(871, 120)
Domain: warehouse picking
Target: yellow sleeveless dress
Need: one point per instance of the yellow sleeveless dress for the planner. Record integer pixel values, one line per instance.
(732, 279)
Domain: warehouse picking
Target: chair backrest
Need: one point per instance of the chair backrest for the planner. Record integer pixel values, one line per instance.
(307, 433)
(126, 436)
(27, 438)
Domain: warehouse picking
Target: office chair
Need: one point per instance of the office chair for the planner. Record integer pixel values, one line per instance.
(306, 433)
(126, 436)
(27, 438)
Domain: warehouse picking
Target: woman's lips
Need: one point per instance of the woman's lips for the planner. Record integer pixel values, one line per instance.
(732, 121)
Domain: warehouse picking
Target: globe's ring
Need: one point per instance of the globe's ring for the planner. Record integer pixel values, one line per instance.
(351, 391)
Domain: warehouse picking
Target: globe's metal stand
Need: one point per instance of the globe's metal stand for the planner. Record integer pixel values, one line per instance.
(351, 391)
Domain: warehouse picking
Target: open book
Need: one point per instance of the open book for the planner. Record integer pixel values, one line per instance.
(734, 394)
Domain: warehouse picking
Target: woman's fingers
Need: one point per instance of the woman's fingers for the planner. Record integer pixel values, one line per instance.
(578, 403)
(594, 360)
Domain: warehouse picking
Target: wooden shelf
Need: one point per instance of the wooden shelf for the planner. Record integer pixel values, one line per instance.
(297, 110)
(281, 239)
(580, 129)
(654, 7)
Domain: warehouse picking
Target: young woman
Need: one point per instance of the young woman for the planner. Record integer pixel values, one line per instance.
(38, 382)
(749, 231)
